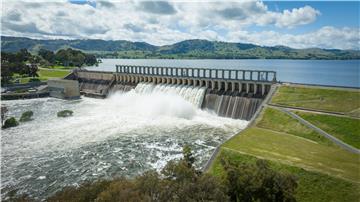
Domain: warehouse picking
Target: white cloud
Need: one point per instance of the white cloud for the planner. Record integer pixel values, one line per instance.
(163, 22)
(325, 37)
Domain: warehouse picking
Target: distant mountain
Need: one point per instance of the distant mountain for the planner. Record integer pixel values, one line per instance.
(194, 49)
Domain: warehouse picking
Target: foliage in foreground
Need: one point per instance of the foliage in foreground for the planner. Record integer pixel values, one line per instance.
(180, 181)
(64, 113)
(10, 122)
(26, 116)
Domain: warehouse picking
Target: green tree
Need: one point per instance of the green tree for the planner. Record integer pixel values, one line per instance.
(257, 182)
(188, 156)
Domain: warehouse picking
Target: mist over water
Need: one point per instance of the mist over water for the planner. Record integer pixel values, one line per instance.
(123, 135)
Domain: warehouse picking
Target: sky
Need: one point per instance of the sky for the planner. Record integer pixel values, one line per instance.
(300, 24)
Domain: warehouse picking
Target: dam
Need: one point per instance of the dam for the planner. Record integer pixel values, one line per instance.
(128, 133)
(229, 93)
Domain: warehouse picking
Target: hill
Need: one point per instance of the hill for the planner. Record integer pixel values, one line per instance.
(192, 49)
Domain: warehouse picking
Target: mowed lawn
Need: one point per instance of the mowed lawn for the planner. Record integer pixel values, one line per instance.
(344, 128)
(297, 151)
(277, 120)
(45, 74)
(312, 186)
(334, 100)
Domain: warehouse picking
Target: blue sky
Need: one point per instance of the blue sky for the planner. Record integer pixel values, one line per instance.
(302, 24)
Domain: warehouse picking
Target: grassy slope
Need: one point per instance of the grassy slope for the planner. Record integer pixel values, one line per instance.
(325, 171)
(300, 152)
(312, 186)
(276, 120)
(345, 129)
(318, 98)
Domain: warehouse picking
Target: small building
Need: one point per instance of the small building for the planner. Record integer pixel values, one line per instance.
(64, 89)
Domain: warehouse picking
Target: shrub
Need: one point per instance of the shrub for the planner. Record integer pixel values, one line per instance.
(10, 122)
(26, 116)
(34, 80)
(65, 113)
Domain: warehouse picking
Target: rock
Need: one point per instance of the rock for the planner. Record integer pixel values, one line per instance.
(26, 116)
(10, 122)
(65, 113)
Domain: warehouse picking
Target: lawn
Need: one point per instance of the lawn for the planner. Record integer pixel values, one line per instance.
(53, 73)
(312, 186)
(296, 151)
(45, 74)
(335, 100)
(274, 119)
(60, 67)
(343, 128)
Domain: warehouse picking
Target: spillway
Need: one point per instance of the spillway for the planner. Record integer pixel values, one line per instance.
(233, 106)
(194, 95)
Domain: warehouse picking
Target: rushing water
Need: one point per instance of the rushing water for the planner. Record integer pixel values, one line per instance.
(324, 72)
(124, 134)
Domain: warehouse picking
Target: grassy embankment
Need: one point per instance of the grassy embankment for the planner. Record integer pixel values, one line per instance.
(326, 99)
(325, 172)
(344, 128)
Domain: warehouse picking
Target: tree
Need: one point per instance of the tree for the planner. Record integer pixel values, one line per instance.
(257, 182)
(188, 156)
(47, 55)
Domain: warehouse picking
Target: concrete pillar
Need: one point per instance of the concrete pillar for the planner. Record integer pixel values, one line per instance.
(219, 84)
(212, 85)
(247, 87)
(262, 89)
(255, 88)
(226, 85)
(233, 86)
(240, 86)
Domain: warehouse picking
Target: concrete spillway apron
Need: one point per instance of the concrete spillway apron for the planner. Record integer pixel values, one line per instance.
(325, 134)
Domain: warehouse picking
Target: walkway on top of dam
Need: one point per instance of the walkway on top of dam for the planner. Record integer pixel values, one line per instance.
(200, 73)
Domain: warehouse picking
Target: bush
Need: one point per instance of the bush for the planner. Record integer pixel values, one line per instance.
(10, 122)
(26, 116)
(65, 113)
(258, 182)
(34, 80)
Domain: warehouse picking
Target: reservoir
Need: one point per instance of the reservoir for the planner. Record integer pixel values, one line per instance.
(321, 72)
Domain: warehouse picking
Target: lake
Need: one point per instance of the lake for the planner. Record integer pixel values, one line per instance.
(321, 72)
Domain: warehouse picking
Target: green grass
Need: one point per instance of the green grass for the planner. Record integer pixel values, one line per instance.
(312, 186)
(297, 151)
(47, 73)
(343, 128)
(44, 75)
(60, 67)
(334, 100)
(274, 119)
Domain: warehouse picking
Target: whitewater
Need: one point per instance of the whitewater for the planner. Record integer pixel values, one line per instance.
(123, 135)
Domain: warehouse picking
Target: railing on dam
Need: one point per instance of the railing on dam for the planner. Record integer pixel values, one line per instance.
(219, 74)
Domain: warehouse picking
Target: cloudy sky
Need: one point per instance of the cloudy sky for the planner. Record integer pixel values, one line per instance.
(296, 24)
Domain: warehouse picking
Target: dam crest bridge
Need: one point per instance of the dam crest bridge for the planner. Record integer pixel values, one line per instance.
(249, 81)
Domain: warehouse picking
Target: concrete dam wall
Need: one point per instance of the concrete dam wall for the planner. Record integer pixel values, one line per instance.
(229, 93)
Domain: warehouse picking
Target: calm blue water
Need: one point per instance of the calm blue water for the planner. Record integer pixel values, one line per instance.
(323, 72)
